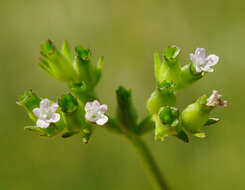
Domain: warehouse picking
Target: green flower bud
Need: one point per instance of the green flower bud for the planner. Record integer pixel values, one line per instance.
(168, 70)
(163, 95)
(196, 115)
(73, 114)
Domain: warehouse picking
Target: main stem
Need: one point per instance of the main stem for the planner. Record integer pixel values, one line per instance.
(148, 162)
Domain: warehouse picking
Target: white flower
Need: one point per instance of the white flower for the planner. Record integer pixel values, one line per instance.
(95, 112)
(203, 63)
(46, 114)
(215, 99)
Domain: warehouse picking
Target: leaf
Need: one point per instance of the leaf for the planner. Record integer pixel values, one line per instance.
(182, 136)
(211, 121)
(200, 135)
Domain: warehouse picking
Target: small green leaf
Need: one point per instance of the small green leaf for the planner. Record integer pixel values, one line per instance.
(211, 121)
(200, 135)
(182, 136)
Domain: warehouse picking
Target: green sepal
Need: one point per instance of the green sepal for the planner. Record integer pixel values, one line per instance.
(182, 136)
(168, 69)
(163, 95)
(82, 92)
(52, 130)
(66, 50)
(171, 54)
(200, 135)
(56, 63)
(211, 121)
(126, 113)
(29, 101)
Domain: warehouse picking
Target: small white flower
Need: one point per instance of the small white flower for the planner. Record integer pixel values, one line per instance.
(46, 114)
(95, 112)
(215, 99)
(203, 63)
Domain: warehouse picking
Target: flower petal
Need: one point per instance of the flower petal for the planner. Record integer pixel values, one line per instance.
(95, 104)
(44, 103)
(207, 69)
(53, 107)
(102, 120)
(42, 123)
(212, 60)
(198, 68)
(89, 117)
(88, 106)
(192, 57)
(36, 112)
(200, 52)
(103, 108)
(55, 118)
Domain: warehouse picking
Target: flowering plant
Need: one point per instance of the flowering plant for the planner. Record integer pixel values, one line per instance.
(80, 112)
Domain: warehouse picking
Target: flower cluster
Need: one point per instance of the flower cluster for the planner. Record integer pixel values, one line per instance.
(79, 111)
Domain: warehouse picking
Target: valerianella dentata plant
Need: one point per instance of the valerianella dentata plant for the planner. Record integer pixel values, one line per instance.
(80, 112)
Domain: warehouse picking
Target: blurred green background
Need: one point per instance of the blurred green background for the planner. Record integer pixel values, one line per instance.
(127, 33)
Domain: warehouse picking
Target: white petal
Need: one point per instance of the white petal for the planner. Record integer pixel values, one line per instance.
(54, 107)
(95, 104)
(102, 120)
(42, 123)
(36, 112)
(89, 117)
(197, 67)
(207, 69)
(55, 118)
(200, 52)
(103, 108)
(212, 60)
(192, 57)
(44, 103)
(88, 106)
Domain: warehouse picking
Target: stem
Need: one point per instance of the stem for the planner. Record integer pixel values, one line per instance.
(148, 162)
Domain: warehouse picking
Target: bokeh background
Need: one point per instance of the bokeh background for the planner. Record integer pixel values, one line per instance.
(127, 33)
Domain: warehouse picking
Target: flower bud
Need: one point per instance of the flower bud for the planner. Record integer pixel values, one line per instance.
(163, 95)
(73, 114)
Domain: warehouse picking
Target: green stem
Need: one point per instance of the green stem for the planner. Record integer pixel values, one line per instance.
(148, 162)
